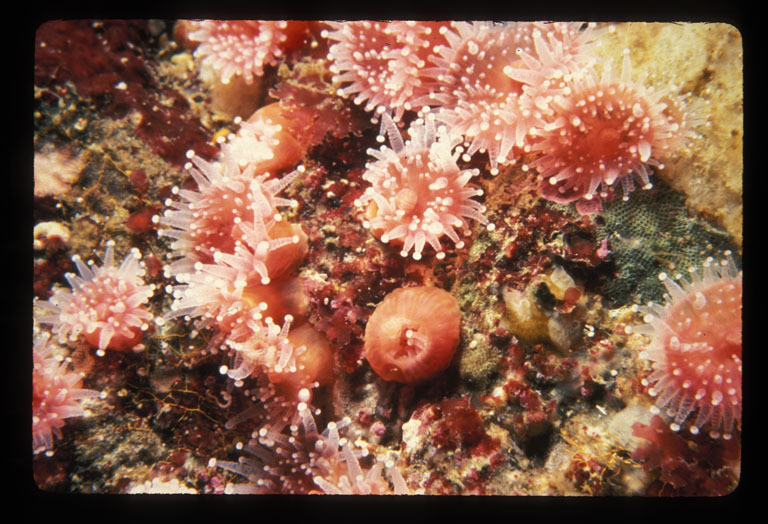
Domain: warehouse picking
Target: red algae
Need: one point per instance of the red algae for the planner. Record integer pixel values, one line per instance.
(104, 65)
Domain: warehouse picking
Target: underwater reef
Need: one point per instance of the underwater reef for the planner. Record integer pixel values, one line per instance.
(387, 257)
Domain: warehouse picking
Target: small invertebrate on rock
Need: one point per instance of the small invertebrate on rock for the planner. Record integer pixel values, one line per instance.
(105, 305)
(55, 170)
(56, 395)
(696, 349)
(417, 191)
(413, 334)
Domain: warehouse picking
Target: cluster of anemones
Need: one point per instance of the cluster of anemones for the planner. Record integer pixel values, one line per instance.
(235, 257)
(56, 395)
(418, 193)
(695, 349)
(228, 219)
(105, 305)
(491, 83)
(288, 454)
(517, 88)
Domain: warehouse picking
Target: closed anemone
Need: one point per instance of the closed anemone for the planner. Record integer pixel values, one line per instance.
(413, 334)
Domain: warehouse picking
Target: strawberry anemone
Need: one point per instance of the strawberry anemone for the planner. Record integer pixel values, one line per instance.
(417, 192)
(235, 273)
(495, 82)
(293, 359)
(383, 64)
(413, 334)
(272, 139)
(288, 454)
(56, 395)
(233, 213)
(695, 349)
(607, 129)
(244, 47)
(477, 100)
(105, 305)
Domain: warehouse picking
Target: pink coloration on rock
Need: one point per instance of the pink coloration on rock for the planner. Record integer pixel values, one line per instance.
(696, 350)
(56, 395)
(105, 305)
(417, 191)
(604, 250)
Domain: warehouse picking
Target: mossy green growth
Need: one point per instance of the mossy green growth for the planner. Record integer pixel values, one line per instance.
(478, 361)
(653, 232)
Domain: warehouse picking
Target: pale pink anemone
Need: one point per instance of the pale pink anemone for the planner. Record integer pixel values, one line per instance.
(254, 142)
(418, 193)
(262, 344)
(217, 293)
(223, 245)
(56, 395)
(696, 348)
(105, 305)
(227, 200)
(551, 53)
(476, 99)
(383, 64)
(239, 47)
(607, 129)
